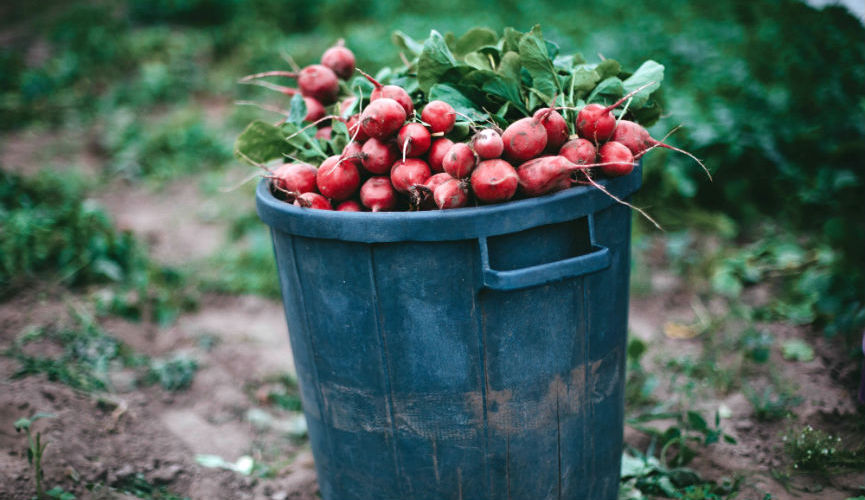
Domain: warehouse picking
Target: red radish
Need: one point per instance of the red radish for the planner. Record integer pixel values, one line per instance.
(421, 196)
(638, 141)
(339, 59)
(354, 128)
(314, 110)
(459, 161)
(524, 139)
(349, 206)
(378, 157)
(413, 140)
(437, 152)
(353, 150)
(336, 179)
(390, 92)
(313, 200)
(378, 195)
(440, 116)
(580, 151)
(346, 105)
(451, 194)
(319, 82)
(494, 181)
(295, 178)
(597, 123)
(555, 125)
(408, 173)
(616, 159)
(437, 180)
(488, 144)
(324, 133)
(546, 174)
(382, 118)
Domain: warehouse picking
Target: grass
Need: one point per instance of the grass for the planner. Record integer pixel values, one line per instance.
(89, 354)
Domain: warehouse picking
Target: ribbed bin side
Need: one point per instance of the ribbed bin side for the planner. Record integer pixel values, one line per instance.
(488, 367)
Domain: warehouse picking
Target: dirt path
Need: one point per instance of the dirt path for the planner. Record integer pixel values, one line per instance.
(153, 435)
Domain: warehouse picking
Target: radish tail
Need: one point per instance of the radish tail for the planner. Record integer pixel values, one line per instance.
(626, 97)
(290, 74)
(370, 78)
(623, 202)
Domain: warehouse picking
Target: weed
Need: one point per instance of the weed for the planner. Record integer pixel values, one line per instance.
(689, 428)
(246, 266)
(173, 374)
(643, 476)
(48, 227)
(140, 487)
(35, 452)
(771, 405)
(279, 390)
(88, 355)
(640, 384)
(814, 451)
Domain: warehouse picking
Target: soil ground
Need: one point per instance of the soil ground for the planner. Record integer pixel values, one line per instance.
(241, 342)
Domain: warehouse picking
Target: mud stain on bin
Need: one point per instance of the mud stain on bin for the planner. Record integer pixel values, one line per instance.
(562, 398)
(356, 410)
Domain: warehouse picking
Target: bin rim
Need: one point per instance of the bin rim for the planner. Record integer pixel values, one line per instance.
(442, 225)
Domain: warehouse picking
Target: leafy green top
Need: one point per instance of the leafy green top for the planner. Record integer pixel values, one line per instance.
(485, 77)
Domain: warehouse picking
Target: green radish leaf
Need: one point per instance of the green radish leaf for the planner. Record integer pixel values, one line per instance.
(478, 60)
(509, 67)
(511, 40)
(566, 62)
(506, 89)
(648, 115)
(473, 40)
(458, 100)
(261, 142)
(406, 43)
(584, 80)
(497, 85)
(611, 88)
(460, 131)
(552, 48)
(649, 71)
(450, 40)
(535, 58)
(297, 109)
(435, 60)
(339, 136)
(608, 68)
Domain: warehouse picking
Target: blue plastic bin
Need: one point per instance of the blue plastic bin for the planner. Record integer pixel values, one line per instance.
(472, 354)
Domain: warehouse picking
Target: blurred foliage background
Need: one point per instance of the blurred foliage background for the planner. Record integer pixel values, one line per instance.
(771, 93)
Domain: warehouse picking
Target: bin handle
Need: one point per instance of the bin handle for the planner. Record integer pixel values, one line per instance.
(596, 260)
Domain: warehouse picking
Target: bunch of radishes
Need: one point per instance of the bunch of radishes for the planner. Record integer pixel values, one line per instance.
(399, 159)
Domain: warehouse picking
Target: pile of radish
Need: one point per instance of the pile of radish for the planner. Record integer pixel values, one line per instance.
(392, 147)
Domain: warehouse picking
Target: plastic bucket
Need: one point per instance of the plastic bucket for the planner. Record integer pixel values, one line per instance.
(473, 354)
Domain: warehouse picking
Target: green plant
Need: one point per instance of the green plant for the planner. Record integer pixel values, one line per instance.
(688, 428)
(172, 374)
(47, 226)
(280, 390)
(89, 354)
(643, 477)
(35, 452)
(770, 404)
(815, 451)
(640, 383)
(140, 487)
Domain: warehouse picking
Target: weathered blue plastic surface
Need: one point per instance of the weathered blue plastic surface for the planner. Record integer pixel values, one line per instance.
(472, 354)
